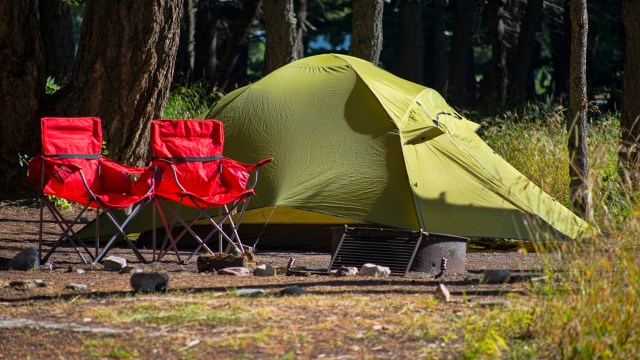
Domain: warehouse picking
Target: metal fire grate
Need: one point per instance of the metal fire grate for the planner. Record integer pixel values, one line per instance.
(392, 248)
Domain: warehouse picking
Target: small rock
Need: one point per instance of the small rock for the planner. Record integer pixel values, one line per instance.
(235, 271)
(48, 265)
(281, 270)
(264, 270)
(443, 293)
(114, 263)
(374, 270)
(291, 290)
(22, 284)
(27, 259)
(250, 292)
(149, 282)
(207, 263)
(75, 270)
(77, 287)
(496, 276)
(41, 283)
(131, 270)
(347, 271)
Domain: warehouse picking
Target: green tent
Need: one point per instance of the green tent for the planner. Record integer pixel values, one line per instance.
(352, 142)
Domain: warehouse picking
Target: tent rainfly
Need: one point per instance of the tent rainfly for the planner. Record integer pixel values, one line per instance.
(351, 140)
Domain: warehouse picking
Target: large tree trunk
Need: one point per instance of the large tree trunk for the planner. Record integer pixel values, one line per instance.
(123, 71)
(366, 29)
(495, 82)
(462, 84)
(205, 63)
(22, 89)
(441, 78)
(281, 33)
(236, 45)
(520, 64)
(577, 118)
(56, 27)
(183, 72)
(410, 55)
(630, 117)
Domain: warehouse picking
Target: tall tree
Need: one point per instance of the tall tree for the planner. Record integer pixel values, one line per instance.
(520, 69)
(281, 33)
(123, 70)
(462, 83)
(630, 116)
(495, 82)
(440, 63)
(302, 27)
(366, 29)
(577, 117)
(56, 27)
(21, 86)
(410, 55)
(186, 53)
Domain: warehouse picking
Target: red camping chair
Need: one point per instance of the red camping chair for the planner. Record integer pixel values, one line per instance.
(72, 167)
(189, 169)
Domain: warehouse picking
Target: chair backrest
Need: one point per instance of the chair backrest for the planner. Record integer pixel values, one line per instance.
(186, 138)
(78, 136)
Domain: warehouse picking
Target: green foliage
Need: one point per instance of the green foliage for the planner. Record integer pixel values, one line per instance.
(190, 101)
(51, 86)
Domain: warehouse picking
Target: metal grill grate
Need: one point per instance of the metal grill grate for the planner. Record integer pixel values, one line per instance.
(392, 248)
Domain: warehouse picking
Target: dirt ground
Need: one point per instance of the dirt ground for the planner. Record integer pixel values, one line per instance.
(34, 321)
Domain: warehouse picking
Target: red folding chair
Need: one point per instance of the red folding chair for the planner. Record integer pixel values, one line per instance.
(72, 167)
(189, 170)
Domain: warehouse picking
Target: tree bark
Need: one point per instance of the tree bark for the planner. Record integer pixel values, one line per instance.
(560, 29)
(410, 55)
(520, 64)
(366, 29)
(281, 33)
(235, 45)
(56, 27)
(495, 82)
(577, 120)
(462, 84)
(185, 57)
(301, 28)
(629, 155)
(441, 77)
(123, 71)
(22, 89)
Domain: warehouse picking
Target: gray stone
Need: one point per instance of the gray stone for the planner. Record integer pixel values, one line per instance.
(41, 283)
(292, 291)
(235, 271)
(114, 263)
(208, 263)
(48, 265)
(374, 270)
(149, 282)
(77, 287)
(27, 259)
(496, 276)
(347, 271)
(249, 292)
(264, 270)
(75, 270)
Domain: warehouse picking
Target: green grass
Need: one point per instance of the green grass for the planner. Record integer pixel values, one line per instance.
(190, 101)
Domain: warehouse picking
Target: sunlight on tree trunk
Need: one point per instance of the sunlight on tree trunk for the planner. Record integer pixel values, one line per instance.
(366, 30)
(577, 118)
(280, 28)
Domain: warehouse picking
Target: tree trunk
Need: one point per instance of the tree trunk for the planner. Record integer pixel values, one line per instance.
(440, 54)
(577, 119)
(520, 64)
(22, 89)
(205, 41)
(366, 29)
(495, 82)
(123, 71)
(56, 27)
(462, 84)
(281, 33)
(183, 72)
(235, 44)
(630, 118)
(410, 55)
(560, 29)
(301, 28)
